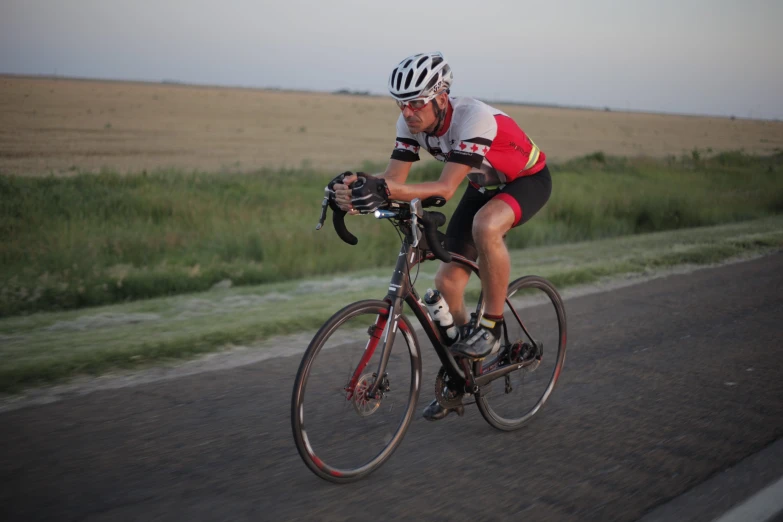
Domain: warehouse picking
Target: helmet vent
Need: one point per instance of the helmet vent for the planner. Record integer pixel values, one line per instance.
(407, 64)
(399, 80)
(436, 60)
(433, 81)
(408, 79)
(421, 77)
(421, 61)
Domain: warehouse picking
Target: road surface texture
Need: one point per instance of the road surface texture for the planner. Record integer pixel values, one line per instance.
(666, 385)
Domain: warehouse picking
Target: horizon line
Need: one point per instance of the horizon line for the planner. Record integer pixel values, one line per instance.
(355, 92)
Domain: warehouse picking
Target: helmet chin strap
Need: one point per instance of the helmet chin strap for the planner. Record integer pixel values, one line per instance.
(440, 117)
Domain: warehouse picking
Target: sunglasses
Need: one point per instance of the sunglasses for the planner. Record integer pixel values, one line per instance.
(417, 104)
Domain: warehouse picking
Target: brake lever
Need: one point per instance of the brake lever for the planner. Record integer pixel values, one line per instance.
(324, 206)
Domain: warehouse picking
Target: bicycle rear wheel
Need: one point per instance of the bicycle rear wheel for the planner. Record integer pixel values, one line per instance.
(536, 326)
(349, 434)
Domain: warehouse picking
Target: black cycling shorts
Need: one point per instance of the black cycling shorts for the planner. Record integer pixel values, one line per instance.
(525, 195)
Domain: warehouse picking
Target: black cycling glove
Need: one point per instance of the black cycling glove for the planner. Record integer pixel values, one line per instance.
(330, 189)
(369, 193)
(337, 179)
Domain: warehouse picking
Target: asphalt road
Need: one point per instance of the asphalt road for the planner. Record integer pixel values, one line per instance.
(666, 384)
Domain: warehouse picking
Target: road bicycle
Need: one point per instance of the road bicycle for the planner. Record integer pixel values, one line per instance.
(357, 387)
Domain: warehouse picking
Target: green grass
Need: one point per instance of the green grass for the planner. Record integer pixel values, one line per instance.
(91, 240)
(54, 346)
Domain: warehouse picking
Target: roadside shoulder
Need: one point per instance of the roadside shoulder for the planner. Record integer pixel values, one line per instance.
(751, 490)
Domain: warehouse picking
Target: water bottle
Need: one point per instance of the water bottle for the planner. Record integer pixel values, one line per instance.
(439, 310)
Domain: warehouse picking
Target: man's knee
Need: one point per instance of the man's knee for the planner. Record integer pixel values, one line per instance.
(487, 228)
(490, 227)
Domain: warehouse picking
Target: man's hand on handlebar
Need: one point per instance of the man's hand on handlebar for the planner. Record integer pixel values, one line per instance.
(369, 194)
(342, 191)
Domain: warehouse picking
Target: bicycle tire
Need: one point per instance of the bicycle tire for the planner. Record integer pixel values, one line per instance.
(322, 396)
(544, 312)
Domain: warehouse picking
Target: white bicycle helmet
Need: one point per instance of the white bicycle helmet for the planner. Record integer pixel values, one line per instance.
(420, 76)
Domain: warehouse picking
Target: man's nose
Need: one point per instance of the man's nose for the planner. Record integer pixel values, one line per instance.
(407, 111)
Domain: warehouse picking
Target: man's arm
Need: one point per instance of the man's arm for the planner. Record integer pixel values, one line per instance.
(397, 171)
(396, 174)
(446, 186)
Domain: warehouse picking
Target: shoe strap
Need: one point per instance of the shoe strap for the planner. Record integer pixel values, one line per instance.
(487, 323)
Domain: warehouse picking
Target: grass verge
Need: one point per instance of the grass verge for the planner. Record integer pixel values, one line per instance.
(54, 346)
(91, 240)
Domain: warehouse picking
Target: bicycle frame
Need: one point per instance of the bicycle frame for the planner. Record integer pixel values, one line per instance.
(401, 292)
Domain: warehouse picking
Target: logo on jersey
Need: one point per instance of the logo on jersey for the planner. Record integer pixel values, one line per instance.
(469, 147)
(401, 145)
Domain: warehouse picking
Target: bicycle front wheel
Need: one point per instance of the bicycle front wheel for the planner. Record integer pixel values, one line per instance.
(536, 327)
(349, 433)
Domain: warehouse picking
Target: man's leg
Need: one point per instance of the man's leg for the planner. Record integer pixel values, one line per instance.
(489, 226)
(451, 280)
(492, 222)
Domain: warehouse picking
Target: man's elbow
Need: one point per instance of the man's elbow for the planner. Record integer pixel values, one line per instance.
(449, 192)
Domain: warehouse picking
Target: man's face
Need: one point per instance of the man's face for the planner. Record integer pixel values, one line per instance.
(423, 119)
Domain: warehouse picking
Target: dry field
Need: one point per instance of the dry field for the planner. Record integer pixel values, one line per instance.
(62, 125)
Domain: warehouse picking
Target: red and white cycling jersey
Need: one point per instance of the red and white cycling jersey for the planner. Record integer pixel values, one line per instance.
(477, 135)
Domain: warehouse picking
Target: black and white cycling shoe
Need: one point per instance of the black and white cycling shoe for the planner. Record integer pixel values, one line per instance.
(484, 341)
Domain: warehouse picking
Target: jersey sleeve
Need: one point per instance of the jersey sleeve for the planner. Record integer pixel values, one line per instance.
(474, 139)
(406, 148)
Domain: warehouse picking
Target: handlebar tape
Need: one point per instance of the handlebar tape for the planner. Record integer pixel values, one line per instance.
(338, 219)
(431, 222)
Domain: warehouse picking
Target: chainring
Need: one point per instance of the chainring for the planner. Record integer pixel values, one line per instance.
(363, 405)
(445, 396)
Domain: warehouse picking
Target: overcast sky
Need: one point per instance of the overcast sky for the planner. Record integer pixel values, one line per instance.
(722, 57)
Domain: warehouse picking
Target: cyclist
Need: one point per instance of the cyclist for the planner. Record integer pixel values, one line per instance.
(508, 183)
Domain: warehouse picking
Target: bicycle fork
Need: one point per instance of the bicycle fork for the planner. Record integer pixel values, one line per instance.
(376, 332)
(381, 333)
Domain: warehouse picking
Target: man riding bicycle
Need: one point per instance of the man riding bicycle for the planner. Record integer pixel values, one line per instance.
(508, 184)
